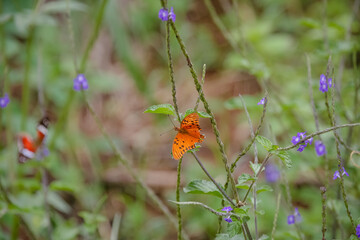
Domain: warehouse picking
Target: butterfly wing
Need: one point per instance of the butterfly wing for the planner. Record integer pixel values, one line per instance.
(182, 143)
(190, 121)
(27, 148)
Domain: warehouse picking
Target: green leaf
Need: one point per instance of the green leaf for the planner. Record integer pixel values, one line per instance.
(62, 186)
(310, 23)
(225, 236)
(204, 114)
(58, 203)
(255, 167)
(244, 178)
(264, 188)
(266, 143)
(161, 109)
(201, 114)
(234, 228)
(240, 211)
(202, 187)
(285, 158)
(242, 186)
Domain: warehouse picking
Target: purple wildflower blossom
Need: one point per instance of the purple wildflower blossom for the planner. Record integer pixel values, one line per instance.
(272, 173)
(172, 15)
(325, 83)
(4, 101)
(163, 14)
(320, 148)
(262, 101)
(227, 209)
(291, 219)
(309, 141)
(80, 83)
(337, 174)
(301, 148)
(358, 231)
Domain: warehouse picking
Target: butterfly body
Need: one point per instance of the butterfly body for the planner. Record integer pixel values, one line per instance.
(188, 134)
(27, 146)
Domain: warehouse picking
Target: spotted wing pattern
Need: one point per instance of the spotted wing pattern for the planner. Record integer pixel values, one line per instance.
(189, 134)
(182, 143)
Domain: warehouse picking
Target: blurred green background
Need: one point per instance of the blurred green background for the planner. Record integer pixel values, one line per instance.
(258, 45)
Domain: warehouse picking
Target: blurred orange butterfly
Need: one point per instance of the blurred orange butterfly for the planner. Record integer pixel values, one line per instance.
(188, 135)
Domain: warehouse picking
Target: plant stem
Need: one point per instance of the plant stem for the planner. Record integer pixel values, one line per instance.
(323, 202)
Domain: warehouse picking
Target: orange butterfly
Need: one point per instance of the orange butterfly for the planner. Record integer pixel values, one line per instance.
(27, 146)
(188, 135)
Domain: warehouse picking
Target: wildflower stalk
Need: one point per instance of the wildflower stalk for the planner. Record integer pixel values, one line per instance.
(233, 165)
(130, 169)
(208, 110)
(71, 94)
(276, 215)
(318, 133)
(255, 161)
(340, 164)
(178, 209)
(213, 180)
(202, 83)
(323, 202)
(23, 223)
(173, 90)
(316, 117)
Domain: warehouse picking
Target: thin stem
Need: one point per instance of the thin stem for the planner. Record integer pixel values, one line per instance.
(255, 161)
(233, 165)
(319, 133)
(213, 180)
(178, 209)
(71, 33)
(340, 162)
(202, 83)
(323, 202)
(316, 117)
(276, 215)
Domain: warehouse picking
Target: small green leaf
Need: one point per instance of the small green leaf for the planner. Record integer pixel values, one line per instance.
(242, 186)
(234, 228)
(240, 211)
(201, 114)
(285, 158)
(62, 186)
(161, 109)
(255, 167)
(264, 188)
(202, 187)
(244, 178)
(204, 114)
(260, 212)
(266, 143)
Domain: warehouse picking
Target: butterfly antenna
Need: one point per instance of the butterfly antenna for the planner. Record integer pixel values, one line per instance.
(171, 120)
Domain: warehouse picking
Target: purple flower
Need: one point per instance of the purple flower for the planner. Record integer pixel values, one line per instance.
(296, 139)
(358, 231)
(337, 174)
(309, 141)
(325, 83)
(296, 217)
(301, 148)
(320, 148)
(272, 173)
(80, 83)
(164, 15)
(262, 101)
(172, 15)
(291, 219)
(227, 209)
(4, 101)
